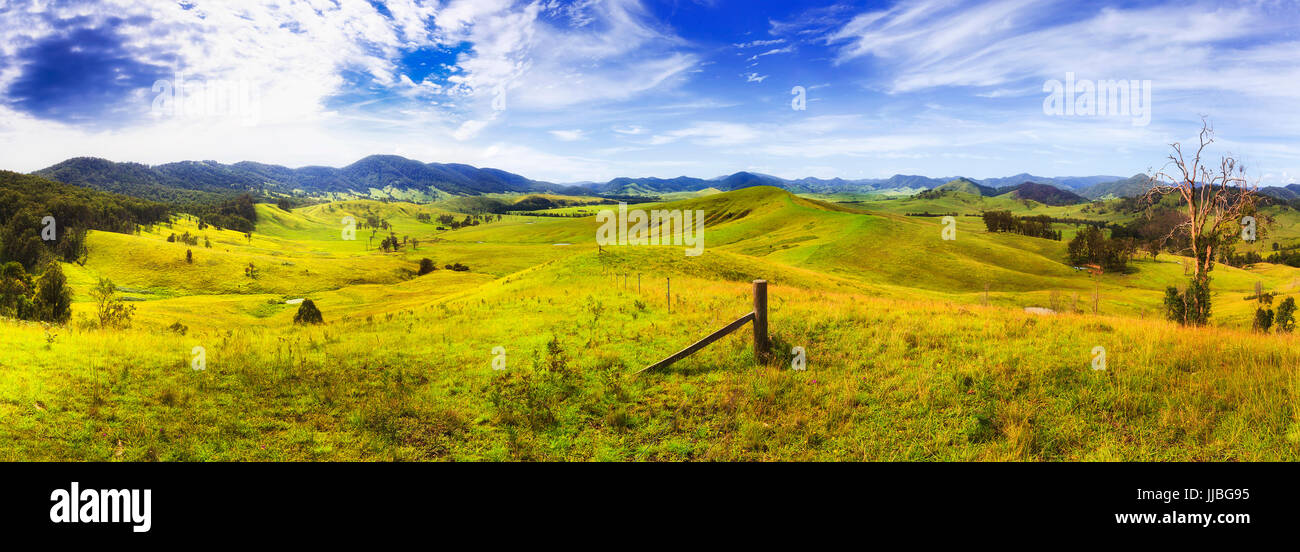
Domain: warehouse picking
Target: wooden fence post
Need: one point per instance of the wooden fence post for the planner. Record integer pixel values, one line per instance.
(760, 321)
(669, 294)
(759, 317)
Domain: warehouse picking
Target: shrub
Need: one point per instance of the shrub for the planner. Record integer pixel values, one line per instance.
(112, 312)
(308, 314)
(521, 401)
(189, 256)
(427, 266)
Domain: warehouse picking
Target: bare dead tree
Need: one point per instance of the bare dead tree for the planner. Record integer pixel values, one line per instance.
(1215, 199)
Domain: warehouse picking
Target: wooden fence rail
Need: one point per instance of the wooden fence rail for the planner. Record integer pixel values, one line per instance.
(758, 317)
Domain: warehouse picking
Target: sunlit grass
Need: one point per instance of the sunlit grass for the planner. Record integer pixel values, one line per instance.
(905, 362)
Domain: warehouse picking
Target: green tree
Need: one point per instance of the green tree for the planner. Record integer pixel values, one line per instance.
(1090, 246)
(21, 240)
(15, 291)
(1263, 320)
(1285, 320)
(1190, 307)
(53, 301)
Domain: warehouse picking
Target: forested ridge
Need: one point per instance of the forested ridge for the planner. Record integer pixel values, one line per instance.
(42, 222)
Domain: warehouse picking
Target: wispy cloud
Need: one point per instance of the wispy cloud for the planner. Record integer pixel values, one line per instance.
(616, 54)
(712, 133)
(928, 43)
(568, 135)
(755, 43)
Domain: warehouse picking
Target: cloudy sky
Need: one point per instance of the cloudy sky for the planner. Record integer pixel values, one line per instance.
(579, 90)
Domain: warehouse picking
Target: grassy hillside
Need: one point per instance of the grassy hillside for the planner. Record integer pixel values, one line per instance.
(907, 359)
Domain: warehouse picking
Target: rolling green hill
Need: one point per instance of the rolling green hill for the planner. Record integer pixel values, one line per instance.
(919, 348)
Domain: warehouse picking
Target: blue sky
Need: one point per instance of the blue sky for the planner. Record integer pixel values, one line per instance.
(590, 89)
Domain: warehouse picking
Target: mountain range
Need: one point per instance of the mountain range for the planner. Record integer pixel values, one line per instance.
(396, 176)
(1042, 193)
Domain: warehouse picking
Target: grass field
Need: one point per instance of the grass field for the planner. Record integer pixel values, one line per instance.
(918, 348)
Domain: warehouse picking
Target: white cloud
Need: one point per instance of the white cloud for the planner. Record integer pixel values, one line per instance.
(932, 43)
(567, 135)
(773, 51)
(713, 133)
(617, 54)
(754, 43)
(470, 129)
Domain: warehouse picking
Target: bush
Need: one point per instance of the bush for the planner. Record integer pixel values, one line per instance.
(1285, 320)
(112, 312)
(427, 266)
(308, 314)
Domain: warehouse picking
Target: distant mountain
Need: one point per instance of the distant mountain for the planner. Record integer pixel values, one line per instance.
(131, 179)
(965, 185)
(376, 172)
(1284, 194)
(1133, 186)
(1073, 183)
(644, 186)
(396, 176)
(913, 181)
(1042, 193)
(650, 186)
(744, 179)
(749, 180)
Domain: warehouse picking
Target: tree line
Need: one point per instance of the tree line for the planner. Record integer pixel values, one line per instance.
(1035, 227)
